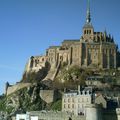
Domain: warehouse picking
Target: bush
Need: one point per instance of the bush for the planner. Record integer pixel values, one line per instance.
(57, 105)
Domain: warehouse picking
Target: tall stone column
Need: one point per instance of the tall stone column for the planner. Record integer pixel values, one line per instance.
(108, 59)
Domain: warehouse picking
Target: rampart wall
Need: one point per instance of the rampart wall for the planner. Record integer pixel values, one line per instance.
(13, 88)
(47, 95)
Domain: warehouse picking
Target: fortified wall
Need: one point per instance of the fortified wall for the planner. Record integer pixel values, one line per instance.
(13, 88)
(36, 63)
(92, 113)
(49, 96)
(95, 113)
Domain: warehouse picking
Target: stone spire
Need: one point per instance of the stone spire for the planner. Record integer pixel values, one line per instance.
(88, 16)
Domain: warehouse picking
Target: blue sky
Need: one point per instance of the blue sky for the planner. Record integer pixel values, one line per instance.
(28, 27)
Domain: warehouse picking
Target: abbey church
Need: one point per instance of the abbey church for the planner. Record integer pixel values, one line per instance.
(92, 50)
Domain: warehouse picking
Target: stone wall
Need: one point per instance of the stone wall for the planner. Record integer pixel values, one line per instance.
(91, 114)
(35, 63)
(47, 95)
(13, 88)
(54, 115)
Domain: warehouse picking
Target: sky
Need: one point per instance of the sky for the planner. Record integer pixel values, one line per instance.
(29, 27)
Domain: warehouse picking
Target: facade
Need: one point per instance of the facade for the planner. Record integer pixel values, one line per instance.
(93, 50)
(76, 101)
(83, 103)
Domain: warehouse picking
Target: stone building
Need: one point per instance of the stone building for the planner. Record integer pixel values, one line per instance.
(76, 101)
(93, 50)
(35, 63)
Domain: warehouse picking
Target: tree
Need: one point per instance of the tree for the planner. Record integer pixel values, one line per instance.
(57, 105)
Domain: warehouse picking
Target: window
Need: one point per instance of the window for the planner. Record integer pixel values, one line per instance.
(72, 105)
(87, 100)
(72, 99)
(68, 105)
(79, 100)
(64, 100)
(68, 100)
(73, 112)
(82, 105)
(64, 106)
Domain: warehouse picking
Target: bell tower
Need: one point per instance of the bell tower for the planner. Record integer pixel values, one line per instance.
(88, 30)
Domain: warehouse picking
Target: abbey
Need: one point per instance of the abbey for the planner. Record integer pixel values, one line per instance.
(92, 50)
